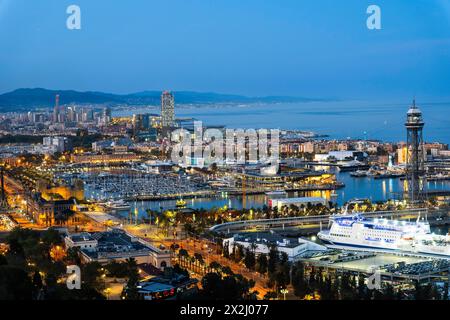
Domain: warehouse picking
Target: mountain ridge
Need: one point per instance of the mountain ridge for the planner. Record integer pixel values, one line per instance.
(41, 97)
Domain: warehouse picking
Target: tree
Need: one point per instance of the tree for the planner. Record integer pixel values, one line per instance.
(15, 284)
(227, 270)
(281, 276)
(362, 288)
(179, 270)
(346, 290)
(271, 295)
(151, 215)
(249, 259)
(183, 253)
(239, 253)
(327, 291)
(298, 280)
(215, 266)
(37, 280)
(261, 264)
(226, 250)
(15, 248)
(117, 269)
(73, 255)
(212, 285)
(389, 293)
(229, 287)
(445, 293)
(90, 273)
(199, 258)
(273, 259)
(133, 280)
(51, 237)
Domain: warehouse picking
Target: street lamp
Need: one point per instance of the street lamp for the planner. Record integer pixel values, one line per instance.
(107, 292)
(284, 292)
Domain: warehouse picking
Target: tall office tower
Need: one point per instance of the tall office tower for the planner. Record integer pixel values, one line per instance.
(106, 115)
(56, 109)
(141, 121)
(71, 114)
(415, 165)
(167, 110)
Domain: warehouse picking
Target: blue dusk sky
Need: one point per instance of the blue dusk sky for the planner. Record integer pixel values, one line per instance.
(311, 48)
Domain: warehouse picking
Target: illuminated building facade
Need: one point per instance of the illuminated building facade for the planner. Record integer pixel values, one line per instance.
(167, 110)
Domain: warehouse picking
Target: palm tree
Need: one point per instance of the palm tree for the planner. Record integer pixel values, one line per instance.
(227, 271)
(191, 262)
(253, 247)
(215, 266)
(183, 253)
(150, 215)
(199, 259)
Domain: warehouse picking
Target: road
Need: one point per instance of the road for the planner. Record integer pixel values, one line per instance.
(203, 247)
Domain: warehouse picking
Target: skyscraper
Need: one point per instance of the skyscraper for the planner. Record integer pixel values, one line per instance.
(167, 110)
(56, 109)
(106, 115)
(415, 166)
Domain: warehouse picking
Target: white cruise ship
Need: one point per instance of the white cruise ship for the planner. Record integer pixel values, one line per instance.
(356, 231)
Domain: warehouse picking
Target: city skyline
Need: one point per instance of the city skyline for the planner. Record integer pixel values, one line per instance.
(227, 153)
(318, 49)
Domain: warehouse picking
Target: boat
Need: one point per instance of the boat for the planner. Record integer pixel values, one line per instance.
(360, 233)
(353, 165)
(180, 204)
(277, 194)
(359, 174)
(118, 205)
(388, 175)
(438, 177)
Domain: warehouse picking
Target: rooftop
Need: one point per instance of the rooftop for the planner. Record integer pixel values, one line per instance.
(269, 238)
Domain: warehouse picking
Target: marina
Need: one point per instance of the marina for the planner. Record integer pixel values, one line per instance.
(373, 189)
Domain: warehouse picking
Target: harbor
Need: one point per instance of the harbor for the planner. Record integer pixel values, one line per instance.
(374, 189)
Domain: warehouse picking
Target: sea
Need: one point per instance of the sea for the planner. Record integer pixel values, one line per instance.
(337, 119)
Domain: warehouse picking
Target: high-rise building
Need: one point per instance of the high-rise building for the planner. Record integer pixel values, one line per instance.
(141, 121)
(167, 110)
(56, 109)
(57, 144)
(106, 115)
(415, 165)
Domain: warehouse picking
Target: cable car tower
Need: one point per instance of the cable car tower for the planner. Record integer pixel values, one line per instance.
(415, 165)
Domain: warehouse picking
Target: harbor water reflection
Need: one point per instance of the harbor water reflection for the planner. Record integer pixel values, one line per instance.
(373, 189)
